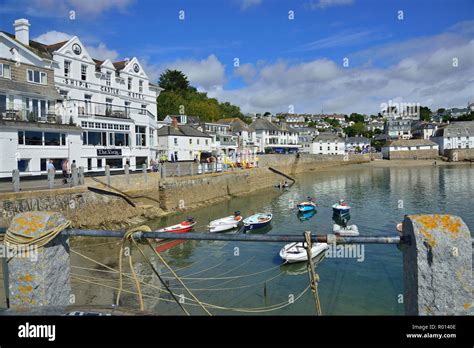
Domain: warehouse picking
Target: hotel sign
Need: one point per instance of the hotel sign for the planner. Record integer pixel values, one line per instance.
(109, 152)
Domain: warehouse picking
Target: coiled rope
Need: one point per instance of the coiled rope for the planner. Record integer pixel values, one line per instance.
(15, 241)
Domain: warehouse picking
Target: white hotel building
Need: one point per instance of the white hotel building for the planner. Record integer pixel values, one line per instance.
(113, 102)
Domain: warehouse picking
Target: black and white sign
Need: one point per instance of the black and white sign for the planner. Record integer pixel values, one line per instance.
(109, 152)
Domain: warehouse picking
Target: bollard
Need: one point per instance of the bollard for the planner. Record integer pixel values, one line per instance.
(107, 174)
(16, 180)
(163, 171)
(81, 175)
(437, 262)
(127, 174)
(145, 174)
(199, 171)
(39, 276)
(51, 178)
(75, 176)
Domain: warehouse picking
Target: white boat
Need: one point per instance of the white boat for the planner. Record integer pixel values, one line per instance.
(225, 224)
(296, 252)
(350, 230)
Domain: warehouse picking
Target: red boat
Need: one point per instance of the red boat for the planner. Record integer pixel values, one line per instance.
(183, 226)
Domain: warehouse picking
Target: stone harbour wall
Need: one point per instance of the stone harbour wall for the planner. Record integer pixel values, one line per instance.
(455, 155)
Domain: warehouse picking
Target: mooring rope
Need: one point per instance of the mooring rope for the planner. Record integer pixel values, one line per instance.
(313, 277)
(15, 241)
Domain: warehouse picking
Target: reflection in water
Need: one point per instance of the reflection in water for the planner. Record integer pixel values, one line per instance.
(306, 215)
(234, 274)
(299, 268)
(341, 219)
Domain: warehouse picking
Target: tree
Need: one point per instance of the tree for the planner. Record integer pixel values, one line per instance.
(333, 122)
(357, 129)
(174, 80)
(425, 113)
(355, 117)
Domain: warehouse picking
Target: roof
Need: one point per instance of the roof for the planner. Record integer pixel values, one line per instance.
(236, 124)
(42, 50)
(263, 124)
(324, 136)
(183, 130)
(454, 129)
(411, 142)
(357, 140)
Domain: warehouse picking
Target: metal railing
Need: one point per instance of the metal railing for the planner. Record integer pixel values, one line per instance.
(27, 115)
(86, 108)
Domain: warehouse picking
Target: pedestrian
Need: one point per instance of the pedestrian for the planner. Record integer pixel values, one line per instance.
(65, 169)
(73, 165)
(172, 157)
(50, 166)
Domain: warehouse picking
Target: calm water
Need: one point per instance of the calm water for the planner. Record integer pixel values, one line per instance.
(250, 275)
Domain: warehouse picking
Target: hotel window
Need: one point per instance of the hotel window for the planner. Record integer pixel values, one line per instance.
(33, 138)
(108, 78)
(140, 86)
(5, 71)
(108, 107)
(83, 72)
(83, 124)
(52, 139)
(140, 133)
(67, 68)
(207, 142)
(176, 141)
(114, 163)
(37, 76)
(129, 84)
(197, 140)
(190, 141)
(143, 109)
(127, 108)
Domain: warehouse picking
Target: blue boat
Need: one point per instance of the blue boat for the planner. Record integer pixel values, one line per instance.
(257, 221)
(306, 206)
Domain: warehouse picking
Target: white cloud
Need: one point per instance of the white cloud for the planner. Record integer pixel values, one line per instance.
(425, 75)
(98, 51)
(52, 37)
(246, 71)
(322, 4)
(207, 73)
(88, 9)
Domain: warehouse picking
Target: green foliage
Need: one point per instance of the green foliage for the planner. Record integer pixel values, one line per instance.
(425, 113)
(355, 117)
(357, 129)
(181, 98)
(465, 117)
(333, 122)
(173, 80)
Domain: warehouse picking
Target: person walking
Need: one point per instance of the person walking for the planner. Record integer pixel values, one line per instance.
(65, 169)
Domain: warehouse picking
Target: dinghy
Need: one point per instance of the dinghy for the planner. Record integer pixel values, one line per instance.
(350, 230)
(341, 207)
(226, 223)
(183, 226)
(296, 252)
(257, 221)
(306, 206)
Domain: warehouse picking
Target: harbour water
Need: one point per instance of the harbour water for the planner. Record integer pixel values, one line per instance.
(249, 278)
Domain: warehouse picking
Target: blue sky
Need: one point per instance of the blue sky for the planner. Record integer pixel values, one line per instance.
(283, 63)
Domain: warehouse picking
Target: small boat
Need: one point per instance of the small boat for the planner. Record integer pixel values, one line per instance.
(296, 252)
(306, 215)
(183, 226)
(285, 185)
(341, 208)
(350, 230)
(257, 221)
(306, 206)
(226, 223)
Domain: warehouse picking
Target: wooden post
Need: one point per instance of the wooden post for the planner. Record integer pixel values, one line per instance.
(16, 180)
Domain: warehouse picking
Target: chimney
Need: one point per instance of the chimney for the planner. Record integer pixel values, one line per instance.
(22, 31)
(174, 123)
